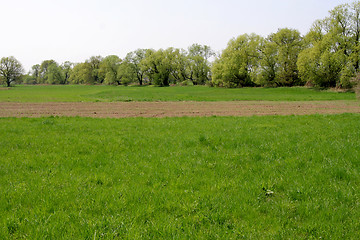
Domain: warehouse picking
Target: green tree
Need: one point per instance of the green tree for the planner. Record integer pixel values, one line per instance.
(332, 57)
(50, 72)
(126, 73)
(268, 66)
(134, 66)
(66, 68)
(238, 63)
(321, 65)
(288, 45)
(94, 63)
(108, 70)
(199, 66)
(181, 67)
(33, 76)
(82, 73)
(36, 71)
(54, 74)
(158, 66)
(11, 70)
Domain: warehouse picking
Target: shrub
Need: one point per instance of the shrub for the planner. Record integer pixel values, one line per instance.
(356, 85)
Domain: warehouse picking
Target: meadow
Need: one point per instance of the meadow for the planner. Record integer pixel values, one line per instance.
(273, 177)
(102, 93)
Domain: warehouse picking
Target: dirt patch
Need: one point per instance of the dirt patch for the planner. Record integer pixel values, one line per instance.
(176, 109)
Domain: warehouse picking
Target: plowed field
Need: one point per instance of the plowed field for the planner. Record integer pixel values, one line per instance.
(176, 109)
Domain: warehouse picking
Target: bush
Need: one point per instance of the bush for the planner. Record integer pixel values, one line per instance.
(356, 85)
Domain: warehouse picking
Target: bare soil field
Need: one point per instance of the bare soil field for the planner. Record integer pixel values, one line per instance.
(176, 109)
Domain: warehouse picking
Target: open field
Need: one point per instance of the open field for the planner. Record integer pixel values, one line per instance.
(176, 109)
(81, 93)
(256, 177)
(269, 177)
(118, 102)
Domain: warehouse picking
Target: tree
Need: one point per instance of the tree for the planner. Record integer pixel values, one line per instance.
(51, 73)
(268, 65)
(181, 66)
(108, 69)
(36, 72)
(199, 65)
(82, 73)
(288, 44)
(126, 73)
(332, 57)
(11, 70)
(66, 68)
(134, 65)
(33, 75)
(238, 63)
(94, 63)
(158, 66)
(321, 65)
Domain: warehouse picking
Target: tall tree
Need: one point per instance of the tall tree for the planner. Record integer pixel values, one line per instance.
(82, 73)
(199, 65)
(332, 57)
(134, 65)
(268, 66)
(288, 44)
(238, 63)
(66, 68)
(11, 70)
(94, 63)
(50, 72)
(108, 69)
(159, 66)
(33, 76)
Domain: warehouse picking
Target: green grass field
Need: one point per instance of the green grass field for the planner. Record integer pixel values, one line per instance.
(78, 93)
(274, 177)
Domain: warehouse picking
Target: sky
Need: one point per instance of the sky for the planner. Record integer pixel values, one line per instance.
(74, 30)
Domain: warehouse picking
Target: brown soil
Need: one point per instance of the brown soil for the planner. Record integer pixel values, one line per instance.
(176, 109)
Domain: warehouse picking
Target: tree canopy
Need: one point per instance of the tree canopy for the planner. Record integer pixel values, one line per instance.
(327, 56)
(11, 70)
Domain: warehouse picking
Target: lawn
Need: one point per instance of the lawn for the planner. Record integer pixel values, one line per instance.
(273, 177)
(83, 93)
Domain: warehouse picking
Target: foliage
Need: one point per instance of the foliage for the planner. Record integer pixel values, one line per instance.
(49, 72)
(159, 65)
(82, 73)
(109, 70)
(287, 44)
(332, 58)
(198, 67)
(237, 62)
(327, 56)
(251, 59)
(133, 66)
(11, 70)
(268, 66)
(94, 64)
(274, 177)
(66, 68)
(356, 84)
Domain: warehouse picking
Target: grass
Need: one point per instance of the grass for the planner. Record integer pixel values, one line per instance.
(81, 93)
(273, 177)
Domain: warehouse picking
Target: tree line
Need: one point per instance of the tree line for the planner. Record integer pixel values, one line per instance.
(143, 66)
(327, 56)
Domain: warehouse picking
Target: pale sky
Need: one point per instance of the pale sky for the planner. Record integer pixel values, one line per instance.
(74, 30)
